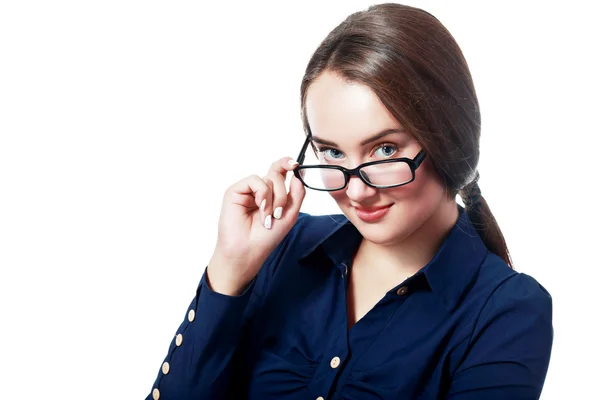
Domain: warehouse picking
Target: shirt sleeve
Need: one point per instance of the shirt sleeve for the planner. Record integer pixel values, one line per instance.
(510, 347)
(199, 362)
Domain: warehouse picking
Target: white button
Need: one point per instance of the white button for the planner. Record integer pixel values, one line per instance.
(320, 398)
(402, 291)
(335, 362)
(191, 315)
(179, 339)
(165, 368)
(155, 394)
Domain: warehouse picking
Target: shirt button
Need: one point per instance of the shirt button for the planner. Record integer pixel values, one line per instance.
(191, 315)
(335, 362)
(320, 398)
(165, 368)
(402, 291)
(155, 394)
(179, 339)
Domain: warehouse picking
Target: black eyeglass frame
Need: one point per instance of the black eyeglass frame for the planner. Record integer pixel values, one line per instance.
(413, 164)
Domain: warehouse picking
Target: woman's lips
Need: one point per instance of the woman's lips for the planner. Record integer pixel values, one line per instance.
(372, 214)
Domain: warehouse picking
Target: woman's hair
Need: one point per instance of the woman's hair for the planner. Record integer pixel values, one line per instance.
(416, 68)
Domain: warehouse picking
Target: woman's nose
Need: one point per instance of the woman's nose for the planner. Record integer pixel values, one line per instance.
(357, 190)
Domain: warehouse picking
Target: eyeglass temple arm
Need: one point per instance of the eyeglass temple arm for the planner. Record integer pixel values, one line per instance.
(419, 158)
(300, 158)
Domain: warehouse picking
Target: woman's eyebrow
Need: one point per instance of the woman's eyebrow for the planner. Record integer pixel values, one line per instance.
(371, 139)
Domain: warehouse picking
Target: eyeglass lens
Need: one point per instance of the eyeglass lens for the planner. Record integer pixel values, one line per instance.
(387, 174)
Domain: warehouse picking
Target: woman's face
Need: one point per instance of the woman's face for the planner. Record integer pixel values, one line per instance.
(346, 115)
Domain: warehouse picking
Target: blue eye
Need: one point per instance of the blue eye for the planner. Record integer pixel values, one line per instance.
(387, 150)
(332, 154)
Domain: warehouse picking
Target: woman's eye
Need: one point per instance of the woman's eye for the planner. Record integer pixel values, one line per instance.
(332, 154)
(386, 151)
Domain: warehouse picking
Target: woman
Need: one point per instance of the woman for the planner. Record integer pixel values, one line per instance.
(406, 295)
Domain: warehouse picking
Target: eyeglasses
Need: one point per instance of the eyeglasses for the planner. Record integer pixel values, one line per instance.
(382, 174)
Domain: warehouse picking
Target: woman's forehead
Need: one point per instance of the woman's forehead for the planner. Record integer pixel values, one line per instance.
(345, 112)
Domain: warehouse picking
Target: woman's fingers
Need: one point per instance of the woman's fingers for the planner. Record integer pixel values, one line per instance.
(251, 191)
(269, 193)
(267, 205)
(283, 166)
(277, 175)
(277, 184)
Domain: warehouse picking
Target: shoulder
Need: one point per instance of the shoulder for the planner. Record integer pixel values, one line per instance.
(508, 285)
(513, 297)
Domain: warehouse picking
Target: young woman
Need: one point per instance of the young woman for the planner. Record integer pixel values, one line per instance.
(406, 294)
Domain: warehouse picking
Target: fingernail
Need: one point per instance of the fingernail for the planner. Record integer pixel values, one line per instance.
(277, 213)
(268, 222)
(292, 163)
(263, 204)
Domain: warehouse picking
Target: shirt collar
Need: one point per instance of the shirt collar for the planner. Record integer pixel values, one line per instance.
(338, 238)
(449, 272)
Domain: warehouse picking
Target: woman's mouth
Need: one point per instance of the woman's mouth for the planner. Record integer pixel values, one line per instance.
(372, 214)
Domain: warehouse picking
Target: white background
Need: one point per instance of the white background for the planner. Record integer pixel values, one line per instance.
(122, 123)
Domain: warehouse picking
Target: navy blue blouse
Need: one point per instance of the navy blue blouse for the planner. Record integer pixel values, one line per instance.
(465, 326)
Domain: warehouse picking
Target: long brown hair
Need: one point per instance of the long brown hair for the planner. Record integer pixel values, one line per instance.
(416, 68)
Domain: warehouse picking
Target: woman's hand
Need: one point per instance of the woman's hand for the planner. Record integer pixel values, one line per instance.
(256, 214)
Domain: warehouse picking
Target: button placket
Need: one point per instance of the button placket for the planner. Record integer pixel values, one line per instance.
(329, 368)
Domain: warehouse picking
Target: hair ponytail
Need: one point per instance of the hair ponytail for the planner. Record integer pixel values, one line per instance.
(483, 220)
